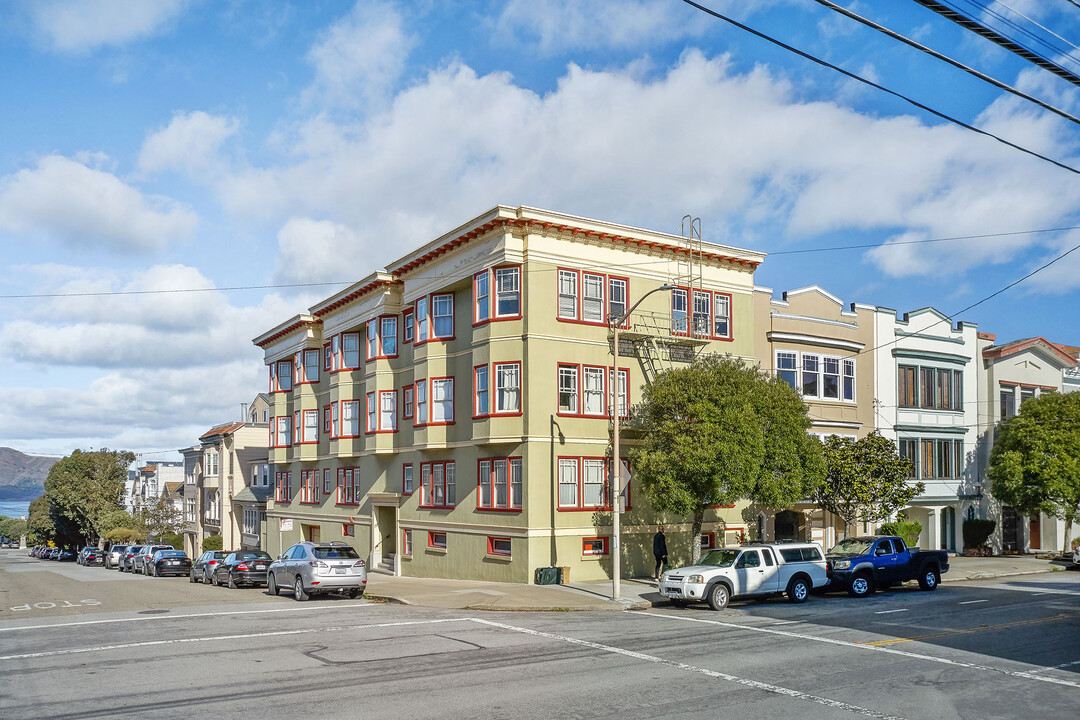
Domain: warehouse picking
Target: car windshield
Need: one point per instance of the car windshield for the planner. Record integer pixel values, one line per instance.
(328, 553)
(720, 558)
(851, 546)
(171, 553)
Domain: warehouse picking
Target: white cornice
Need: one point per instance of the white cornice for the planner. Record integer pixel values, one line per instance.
(785, 337)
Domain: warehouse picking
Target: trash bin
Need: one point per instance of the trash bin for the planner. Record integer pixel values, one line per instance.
(547, 576)
(564, 575)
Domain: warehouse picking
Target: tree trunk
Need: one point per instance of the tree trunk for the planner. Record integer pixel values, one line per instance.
(1067, 547)
(695, 541)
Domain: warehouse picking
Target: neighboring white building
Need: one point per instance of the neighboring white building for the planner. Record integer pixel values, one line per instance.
(147, 484)
(927, 394)
(1012, 373)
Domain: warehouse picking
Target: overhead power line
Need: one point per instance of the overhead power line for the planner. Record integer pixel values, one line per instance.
(945, 58)
(859, 78)
(979, 29)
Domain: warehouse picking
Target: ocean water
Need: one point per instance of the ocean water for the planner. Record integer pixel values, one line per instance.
(15, 509)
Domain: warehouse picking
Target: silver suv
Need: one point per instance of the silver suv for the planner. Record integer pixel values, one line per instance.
(317, 568)
(748, 571)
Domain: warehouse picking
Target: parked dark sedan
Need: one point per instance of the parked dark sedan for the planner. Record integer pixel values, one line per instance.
(50, 553)
(243, 567)
(67, 555)
(93, 556)
(168, 562)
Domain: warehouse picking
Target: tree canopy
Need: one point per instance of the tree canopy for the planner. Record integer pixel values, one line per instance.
(83, 489)
(1035, 463)
(719, 431)
(866, 480)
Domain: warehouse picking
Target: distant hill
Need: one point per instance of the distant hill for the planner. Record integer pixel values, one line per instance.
(22, 476)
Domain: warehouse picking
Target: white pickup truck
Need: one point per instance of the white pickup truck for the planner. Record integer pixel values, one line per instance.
(756, 570)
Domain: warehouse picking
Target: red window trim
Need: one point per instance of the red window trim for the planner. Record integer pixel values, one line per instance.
(341, 418)
(418, 419)
(431, 540)
(491, 279)
(275, 376)
(406, 542)
(431, 320)
(580, 460)
(339, 494)
(286, 496)
(495, 317)
(712, 540)
(311, 492)
(379, 354)
(407, 414)
(579, 297)
(492, 460)
(360, 340)
(407, 322)
(429, 505)
(579, 412)
(326, 357)
(301, 438)
(491, 546)
(301, 368)
(604, 542)
(431, 401)
(493, 382)
(477, 415)
(327, 419)
(371, 412)
(379, 413)
(327, 482)
(403, 490)
(712, 313)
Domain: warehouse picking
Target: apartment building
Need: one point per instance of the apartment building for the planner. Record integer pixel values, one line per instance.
(926, 383)
(147, 484)
(226, 482)
(450, 415)
(1011, 374)
(825, 351)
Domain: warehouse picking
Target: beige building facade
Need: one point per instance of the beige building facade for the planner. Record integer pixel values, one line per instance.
(451, 414)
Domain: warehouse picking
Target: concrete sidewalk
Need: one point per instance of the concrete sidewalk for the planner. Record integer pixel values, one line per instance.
(636, 593)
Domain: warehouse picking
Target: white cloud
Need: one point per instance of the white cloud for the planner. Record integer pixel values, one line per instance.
(360, 57)
(65, 200)
(311, 251)
(559, 25)
(77, 26)
(190, 142)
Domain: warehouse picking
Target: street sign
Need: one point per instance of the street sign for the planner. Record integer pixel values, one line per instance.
(286, 525)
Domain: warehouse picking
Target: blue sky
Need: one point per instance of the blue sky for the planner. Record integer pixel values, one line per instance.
(198, 144)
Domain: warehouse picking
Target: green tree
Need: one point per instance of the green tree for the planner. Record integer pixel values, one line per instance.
(717, 432)
(12, 528)
(1035, 463)
(83, 489)
(866, 479)
(39, 521)
(159, 518)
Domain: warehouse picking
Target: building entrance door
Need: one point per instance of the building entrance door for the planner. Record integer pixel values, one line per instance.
(1035, 531)
(787, 526)
(1010, 529)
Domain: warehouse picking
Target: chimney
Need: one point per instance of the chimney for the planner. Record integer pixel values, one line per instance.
(243, 412)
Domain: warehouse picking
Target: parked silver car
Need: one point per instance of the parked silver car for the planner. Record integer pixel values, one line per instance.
(112, 556)
(145, 555)
(316, 568)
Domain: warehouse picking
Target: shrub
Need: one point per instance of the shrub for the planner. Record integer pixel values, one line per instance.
(174, 539)
(124, 536)
(977, 532)
(213, 542)
(907, 529)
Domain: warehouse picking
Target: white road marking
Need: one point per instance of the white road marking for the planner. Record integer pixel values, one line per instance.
(144, 618)
(219, 638)
(1034, 589)
(886, 612)
(972, 602)
(775, 689)
(876, 648)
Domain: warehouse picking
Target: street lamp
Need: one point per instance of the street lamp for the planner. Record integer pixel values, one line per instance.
(616, 464)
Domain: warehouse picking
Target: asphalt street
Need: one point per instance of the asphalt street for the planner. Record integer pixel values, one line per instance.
(165, 648)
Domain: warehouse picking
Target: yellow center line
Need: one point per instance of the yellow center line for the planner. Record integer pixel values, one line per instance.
(981, 628)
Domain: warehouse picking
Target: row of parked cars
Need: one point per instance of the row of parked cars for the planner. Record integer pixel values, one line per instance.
(52, 553)
(307, 568)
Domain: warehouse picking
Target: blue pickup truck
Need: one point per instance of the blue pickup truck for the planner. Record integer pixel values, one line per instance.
(861, 564)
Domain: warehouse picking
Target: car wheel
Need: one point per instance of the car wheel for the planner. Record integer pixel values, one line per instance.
(798, 590)
(206, 577)
(151, 571)
(271, 585)
(191, 577)
(929, 579)
(232, 583)
(298, 590)
(718, 596)
(354, 593)
(861, 586)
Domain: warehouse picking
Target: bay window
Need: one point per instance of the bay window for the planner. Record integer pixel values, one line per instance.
(388, 410)
(480, 391)
(507, 292)
(442, 312)
(508, 387)
(442, 400)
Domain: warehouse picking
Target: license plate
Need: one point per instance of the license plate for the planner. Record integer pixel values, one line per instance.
(260, 566)
(672, 591)
(174, 562)
(339, 571)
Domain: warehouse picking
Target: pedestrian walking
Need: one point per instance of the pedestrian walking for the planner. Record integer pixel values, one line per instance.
(659, 551)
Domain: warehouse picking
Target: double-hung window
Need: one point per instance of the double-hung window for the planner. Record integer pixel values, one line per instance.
(335, 427)
(371, 427)
(499, 484)
(702, 313)
(594, 397)
(388, 410)
(583, 483)
(624, 386)
(311, 426)
(350, 348)
(568, 294)
(442, 313)
(311, 366)
(507, 292)
(437, 485)
(284, 375)
(422, 321)
(679, 312)
(407, 402)
(508, 387)
(721, 315)
(568, 389)
(372, 339)
(350, 418)
(616, 298)
(335, 353)
(481, 297)
(787, 368)
(282, 487)
(326, 420)
(480, 391)
(407, 479)
(421, 402)
(592, 298)
(284, 438)
(309, 491)
(388, 336)
(830, 388)
(407, 322)
(442, 400)
(348, 487)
